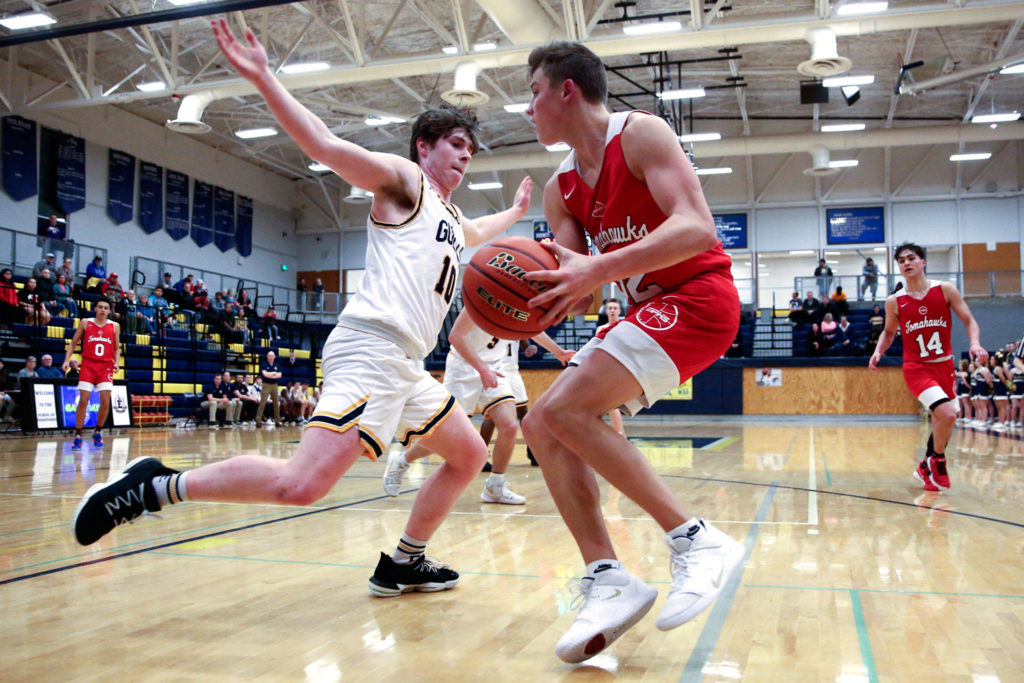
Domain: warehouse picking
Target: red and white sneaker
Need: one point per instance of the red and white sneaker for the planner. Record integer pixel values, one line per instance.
(937, 471)
(924, 475)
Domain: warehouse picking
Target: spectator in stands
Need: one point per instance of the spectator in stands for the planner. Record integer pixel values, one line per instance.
(63, 296)
(838, 305)
(68, 271)
(318, 293)
(229, 329)
(249, 403)
(47, 371)
(29, 370)
(824, 274)
(302, 286)
(131, 322)
(255, 386)
(812, 308)
(95, 274)
(305, 398)
(230, 298)
(32, 305)
(270, 324)
(7, 403)
(112, 291)
(146, 322)
(245, 303)
(169, 292)
(217, 305)
(48, 262)
(816, 344)
(270, 371)
(73, 369)
(10, 307)
(869, 275)
(162, 310)
(847, 339)
(179, 286)
(199, 290)
(45, 286)
(218, 398)
(876, 325)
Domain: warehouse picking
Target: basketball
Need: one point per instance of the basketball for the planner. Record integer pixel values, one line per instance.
(497, 287)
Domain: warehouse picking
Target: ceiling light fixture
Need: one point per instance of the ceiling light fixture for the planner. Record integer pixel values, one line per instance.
(970, 156)
(450, 49)
(652, 27)
(996, 118)
(18, 22)
(180, 3)
(517, 107)
(382, 120)
(251, 133)
(681, 94)
(843, 163)
(152, 86)
(485, 186)
(485, 47)
(854, 8)
(305, 67)
(1012, 69)
(700, 137)
(318, 167)
(842, 127)
(801, 252)
(840, 81)
(723, 170)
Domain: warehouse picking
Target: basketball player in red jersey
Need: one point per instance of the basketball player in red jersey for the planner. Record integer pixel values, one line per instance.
(921, 312)
(628, 184)
(101, 356)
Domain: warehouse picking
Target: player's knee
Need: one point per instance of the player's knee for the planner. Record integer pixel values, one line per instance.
(302, 491)
(945, 413)
(533, 425)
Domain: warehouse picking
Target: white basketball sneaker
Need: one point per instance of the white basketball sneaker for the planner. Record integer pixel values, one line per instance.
(501, 494)
(612, 601)
(702, 561)
(393, 473)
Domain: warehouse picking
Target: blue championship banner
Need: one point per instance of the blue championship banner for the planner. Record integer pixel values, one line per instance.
(176, 221)
(202, 213)
(243, 227)
(223, 218)
(151, 197)
(19, 157)
(120, 186)
(70, 172)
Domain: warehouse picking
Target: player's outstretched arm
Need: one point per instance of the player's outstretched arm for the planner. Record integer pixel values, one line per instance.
(486, 228)
(551, 345)
(963, 311)
(885, 340)
(72, 345)
(457, 338)
(378, 173)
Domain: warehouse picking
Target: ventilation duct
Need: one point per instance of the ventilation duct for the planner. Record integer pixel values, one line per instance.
(825, 59)
(190, 114)
(820, 163)
(465, 93)
(358, 196)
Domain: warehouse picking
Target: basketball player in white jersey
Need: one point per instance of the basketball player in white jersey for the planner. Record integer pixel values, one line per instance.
(375, 386)
(474, 374)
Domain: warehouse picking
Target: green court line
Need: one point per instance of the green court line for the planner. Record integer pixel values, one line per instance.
(828, 477)
(862, 637)
(721, 443)
(285, 510)
(887, 592)
(708, 639)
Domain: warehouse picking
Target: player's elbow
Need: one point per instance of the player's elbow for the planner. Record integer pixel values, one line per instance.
(708, 235)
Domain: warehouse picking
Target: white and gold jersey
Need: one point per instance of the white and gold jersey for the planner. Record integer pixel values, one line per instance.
(411, 270)
(490, 349)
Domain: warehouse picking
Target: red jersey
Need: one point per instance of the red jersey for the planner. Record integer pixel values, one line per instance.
(619, 210)
(926, 325)
(98, 344)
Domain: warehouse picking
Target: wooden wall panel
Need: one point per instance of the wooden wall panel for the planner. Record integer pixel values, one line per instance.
(830, 391)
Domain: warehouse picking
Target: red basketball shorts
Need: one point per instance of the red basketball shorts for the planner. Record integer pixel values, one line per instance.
(99, 376)
(930, 382)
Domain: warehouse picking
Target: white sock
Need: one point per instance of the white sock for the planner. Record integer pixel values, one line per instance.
(170, 489)
(408, 550)
(495, 480)
(596, 564)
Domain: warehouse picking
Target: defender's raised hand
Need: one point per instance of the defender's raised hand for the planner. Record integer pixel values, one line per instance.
(249, 61)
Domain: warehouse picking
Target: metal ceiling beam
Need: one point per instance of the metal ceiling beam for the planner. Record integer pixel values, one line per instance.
(523, 22)
(1004, 47)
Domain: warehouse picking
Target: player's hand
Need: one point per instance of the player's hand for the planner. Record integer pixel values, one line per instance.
(873, 363)
(65, 367)
(489, 376)
(251, 62)
(979, 354)
(565, 356)
(573, 280)
(522, 198)
(530, 351)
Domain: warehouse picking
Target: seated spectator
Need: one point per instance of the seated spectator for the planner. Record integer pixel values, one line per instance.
(250, 402)
(839, 305)
(169, 292)
(304, 401)
(270, 324)
(73, 369)
(163, 310)
(244, 303)
(47, 370)
(7, 403)
(812, 308)
(63, 296)
(847, 340)
(179, 286)
(217, 305)
(29, 370)
(131, 322)
(48, 263)
(146, 314)
(95, 275)
(69, 275)
(816, 344)
(31, 305)
(45, 286)
(218, 398)
(112, 291)
(10, 307)
(877, 325)
(199, 290)
(228, 326)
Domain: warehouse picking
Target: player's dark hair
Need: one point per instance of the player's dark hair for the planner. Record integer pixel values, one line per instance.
(103, 301)
(562, 59)
(908, 246)
(434, 124)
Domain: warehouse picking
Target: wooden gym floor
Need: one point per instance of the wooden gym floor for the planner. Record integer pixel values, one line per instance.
(853, 573)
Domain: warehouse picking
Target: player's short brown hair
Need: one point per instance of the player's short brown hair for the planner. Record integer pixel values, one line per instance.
(908, 246)
(434, 124)
(562, 59)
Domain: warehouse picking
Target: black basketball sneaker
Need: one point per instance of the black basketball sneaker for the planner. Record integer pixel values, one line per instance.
(391, 579)
(122, 499)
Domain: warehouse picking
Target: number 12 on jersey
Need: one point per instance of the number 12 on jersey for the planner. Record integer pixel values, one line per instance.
(933, 345)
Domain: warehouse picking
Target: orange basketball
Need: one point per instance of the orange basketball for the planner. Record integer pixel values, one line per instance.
(497, 287)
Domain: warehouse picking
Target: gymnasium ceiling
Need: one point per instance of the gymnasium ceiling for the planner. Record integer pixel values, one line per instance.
(386, 58)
